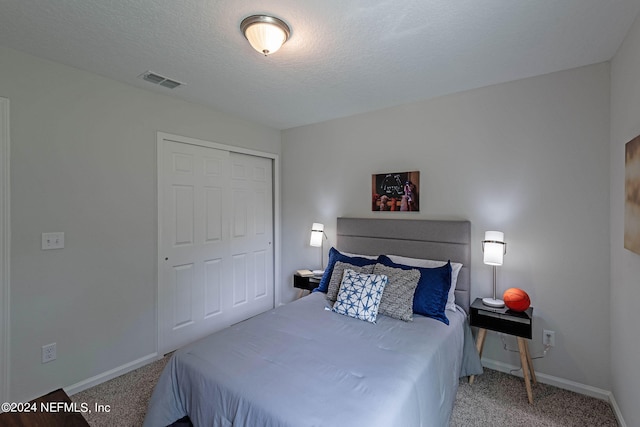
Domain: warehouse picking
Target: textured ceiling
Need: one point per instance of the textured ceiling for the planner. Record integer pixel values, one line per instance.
(343, 57)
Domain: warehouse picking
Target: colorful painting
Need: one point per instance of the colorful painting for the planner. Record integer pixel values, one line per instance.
(395, 191)
(632, 195)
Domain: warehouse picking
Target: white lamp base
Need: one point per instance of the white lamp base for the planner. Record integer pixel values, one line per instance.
(493, 302)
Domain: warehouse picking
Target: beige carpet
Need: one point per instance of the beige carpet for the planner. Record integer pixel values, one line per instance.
(127, 395)
(495, 399)
(498, 399)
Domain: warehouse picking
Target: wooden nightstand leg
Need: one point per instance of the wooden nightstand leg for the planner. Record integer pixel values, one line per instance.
(482, 334)
(530, 363)
(522, 347)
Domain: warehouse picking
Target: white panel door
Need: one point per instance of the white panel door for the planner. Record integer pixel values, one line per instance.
(215, 241)
(193, 246)
(251, 235)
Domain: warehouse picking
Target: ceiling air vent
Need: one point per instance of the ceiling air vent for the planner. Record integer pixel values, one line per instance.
(157, 79)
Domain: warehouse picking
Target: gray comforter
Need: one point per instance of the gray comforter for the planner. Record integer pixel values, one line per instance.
(301, 365)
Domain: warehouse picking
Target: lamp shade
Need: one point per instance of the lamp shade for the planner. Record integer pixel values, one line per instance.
(317, 231)
(266, 34)
(493, 246)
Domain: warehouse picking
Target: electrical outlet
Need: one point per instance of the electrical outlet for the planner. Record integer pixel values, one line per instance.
(549, 338)
(52, 241)
(48, 352)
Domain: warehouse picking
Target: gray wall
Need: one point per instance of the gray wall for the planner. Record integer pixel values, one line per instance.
(83, 161)
(625, 265)
(529, 158)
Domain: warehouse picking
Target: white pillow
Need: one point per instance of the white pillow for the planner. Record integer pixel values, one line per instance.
(428, 263)
(360, 255)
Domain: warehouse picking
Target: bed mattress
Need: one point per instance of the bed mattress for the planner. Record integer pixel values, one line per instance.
(303, 365)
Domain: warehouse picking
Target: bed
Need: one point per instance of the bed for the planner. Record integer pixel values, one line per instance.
(302, 364)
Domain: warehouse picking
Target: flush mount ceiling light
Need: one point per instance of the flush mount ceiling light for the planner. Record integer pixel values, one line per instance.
(266, 34)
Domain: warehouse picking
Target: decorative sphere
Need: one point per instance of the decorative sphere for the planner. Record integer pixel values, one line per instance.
(516, 299)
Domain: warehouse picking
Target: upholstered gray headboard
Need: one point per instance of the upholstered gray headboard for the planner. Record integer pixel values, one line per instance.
(426, 239)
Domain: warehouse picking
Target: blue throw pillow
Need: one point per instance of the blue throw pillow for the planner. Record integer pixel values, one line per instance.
(430, 298)
(335, 256)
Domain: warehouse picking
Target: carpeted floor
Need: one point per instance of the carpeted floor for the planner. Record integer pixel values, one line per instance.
(127, 395)
(495, 399)
(499, 399)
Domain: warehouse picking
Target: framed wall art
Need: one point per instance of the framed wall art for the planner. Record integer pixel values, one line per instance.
(632, 195)
(395, 191)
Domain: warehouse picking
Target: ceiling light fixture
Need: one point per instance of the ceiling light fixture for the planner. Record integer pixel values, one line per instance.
(266, 34)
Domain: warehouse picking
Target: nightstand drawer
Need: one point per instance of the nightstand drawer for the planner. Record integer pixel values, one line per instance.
(502, 319)
(306, 283)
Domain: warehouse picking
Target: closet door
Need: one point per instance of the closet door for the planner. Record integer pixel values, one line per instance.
(251, 236)
(215, 240)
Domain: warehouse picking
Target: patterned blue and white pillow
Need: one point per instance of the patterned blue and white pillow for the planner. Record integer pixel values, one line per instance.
(359, 295)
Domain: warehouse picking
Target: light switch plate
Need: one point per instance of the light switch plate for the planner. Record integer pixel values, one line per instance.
(52, 240)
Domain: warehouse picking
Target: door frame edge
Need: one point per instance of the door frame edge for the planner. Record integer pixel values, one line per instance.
(5, 251)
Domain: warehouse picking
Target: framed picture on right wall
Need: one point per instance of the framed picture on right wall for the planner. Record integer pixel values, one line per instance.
(632, 195)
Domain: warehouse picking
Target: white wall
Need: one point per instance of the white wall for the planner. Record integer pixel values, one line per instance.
(625, 265)
(83, 162)
(528, 157)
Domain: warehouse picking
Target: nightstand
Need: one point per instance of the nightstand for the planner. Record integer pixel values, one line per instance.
(305, 283)
(518, 324)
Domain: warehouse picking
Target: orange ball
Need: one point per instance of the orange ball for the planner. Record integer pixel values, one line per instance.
(516, 299)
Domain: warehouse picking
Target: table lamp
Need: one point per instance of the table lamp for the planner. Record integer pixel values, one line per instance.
(494, 249)
(317, 239)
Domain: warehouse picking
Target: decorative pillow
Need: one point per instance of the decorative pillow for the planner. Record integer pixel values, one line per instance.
(359, 295)
(397, 299)
(416, 262)
(430, 298)
(336, 277)
(335, 256)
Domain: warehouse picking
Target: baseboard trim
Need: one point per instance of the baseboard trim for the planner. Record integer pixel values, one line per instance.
(616, 411)
(574, 386)
(108, 375)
